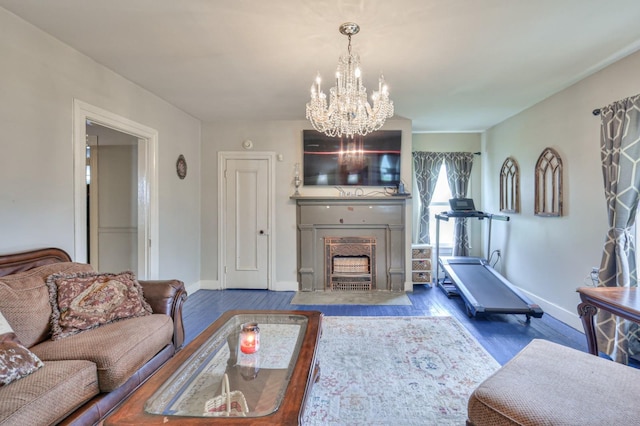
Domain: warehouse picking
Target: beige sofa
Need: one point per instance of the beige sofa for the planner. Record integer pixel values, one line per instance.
(85, 375)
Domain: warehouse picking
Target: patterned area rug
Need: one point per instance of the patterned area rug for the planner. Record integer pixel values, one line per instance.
(350, 298)
(395, 371)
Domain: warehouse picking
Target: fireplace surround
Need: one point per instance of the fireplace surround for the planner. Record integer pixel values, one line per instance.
(360, 233)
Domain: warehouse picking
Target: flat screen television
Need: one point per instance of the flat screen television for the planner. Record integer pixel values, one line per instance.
(372, 160)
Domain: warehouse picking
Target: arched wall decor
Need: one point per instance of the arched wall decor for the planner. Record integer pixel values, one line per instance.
(548, 186)
(510, 186)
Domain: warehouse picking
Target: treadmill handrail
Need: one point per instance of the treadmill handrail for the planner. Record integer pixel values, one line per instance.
(462, 214)
(476, 214)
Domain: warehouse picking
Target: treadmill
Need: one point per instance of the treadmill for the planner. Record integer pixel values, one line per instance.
(481, 287)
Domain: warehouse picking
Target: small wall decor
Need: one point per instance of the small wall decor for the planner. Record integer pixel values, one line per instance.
(548, 189)
(510, 186)
(181, 167)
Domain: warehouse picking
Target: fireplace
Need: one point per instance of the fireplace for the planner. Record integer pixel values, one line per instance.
(351, 243)
(350, 263)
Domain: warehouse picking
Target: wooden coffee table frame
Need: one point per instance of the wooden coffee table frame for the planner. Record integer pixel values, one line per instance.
(305, 372)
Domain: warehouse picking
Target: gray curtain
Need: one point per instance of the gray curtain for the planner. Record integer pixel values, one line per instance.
(620, 153)
(458, 173)
(426, 166)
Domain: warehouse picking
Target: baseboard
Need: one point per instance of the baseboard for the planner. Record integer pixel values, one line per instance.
(192, 288)
(210, 285)
(215, 285)
(286, 286)
(567, 317)
(570, 318)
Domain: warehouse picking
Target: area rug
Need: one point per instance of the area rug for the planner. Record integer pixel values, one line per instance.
(395, 371)
(350, 298)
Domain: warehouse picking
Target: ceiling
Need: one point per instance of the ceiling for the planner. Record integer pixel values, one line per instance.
(451, 65)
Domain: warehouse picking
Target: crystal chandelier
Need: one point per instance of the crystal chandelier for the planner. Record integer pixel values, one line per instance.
(348, 113)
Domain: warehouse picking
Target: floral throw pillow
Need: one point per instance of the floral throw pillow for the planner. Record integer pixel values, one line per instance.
(87, 300)
(16, 361)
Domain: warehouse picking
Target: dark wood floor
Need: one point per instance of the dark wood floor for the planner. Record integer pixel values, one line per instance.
(502, 335)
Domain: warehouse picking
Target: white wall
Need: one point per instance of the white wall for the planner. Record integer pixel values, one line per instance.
(550, 257)
(39, 78)
(455, 142)
(281, 137)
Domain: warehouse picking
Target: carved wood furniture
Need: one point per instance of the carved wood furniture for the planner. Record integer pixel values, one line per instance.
(621, 301)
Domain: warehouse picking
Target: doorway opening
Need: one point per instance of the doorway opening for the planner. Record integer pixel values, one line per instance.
(144, 220)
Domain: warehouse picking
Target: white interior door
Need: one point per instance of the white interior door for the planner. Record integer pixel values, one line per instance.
(246, 223)
(113, 200)
(118, 208)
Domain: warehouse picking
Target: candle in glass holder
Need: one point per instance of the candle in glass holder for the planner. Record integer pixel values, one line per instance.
(249, 338)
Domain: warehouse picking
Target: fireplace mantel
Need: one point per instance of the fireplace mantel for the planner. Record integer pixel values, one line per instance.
(363, 198)
(383, 218)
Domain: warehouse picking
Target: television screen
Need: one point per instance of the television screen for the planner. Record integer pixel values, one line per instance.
(372, 160)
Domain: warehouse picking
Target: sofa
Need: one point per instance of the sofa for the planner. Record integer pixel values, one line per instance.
(80, 370)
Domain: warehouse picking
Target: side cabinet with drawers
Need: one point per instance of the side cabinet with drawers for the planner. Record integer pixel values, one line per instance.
(421, 263)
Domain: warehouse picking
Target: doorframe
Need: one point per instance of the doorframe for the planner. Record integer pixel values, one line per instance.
(148, 230)
(93, 206)
(223, 156)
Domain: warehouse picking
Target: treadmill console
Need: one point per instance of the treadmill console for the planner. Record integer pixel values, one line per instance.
(462, 204)
(463, 207)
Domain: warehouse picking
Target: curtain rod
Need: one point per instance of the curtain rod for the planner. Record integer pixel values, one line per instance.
(596, 111)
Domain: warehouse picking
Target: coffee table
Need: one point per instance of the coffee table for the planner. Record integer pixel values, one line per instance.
(275, 381)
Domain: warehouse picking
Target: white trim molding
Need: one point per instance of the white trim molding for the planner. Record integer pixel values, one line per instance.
(83, 112)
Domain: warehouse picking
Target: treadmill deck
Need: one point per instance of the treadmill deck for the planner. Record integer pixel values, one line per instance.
(484, 289)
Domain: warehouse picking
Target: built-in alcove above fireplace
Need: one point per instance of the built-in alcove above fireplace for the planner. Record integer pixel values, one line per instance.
(351, 243)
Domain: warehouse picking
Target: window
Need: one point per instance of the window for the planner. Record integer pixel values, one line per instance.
(439, 204)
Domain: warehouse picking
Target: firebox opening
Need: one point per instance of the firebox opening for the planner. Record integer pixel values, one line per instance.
(351, 273)
(350, 263)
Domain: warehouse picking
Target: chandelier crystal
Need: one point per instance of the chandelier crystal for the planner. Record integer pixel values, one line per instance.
(348, 112)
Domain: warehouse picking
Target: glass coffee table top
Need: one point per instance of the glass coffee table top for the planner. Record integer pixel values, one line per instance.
(257, 381)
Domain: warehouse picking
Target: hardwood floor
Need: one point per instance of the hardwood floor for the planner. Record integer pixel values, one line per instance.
(502, 335)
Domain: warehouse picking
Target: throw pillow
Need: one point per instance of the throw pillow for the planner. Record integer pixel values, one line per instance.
(86, 300)
(24, 300)
(16, 361)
